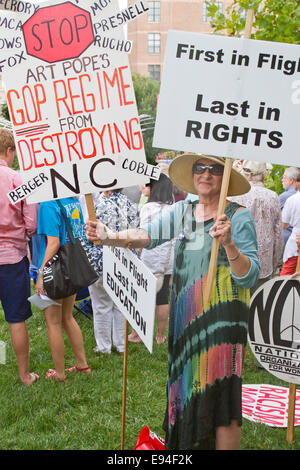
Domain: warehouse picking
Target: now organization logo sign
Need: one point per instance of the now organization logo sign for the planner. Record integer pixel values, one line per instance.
(274, 327)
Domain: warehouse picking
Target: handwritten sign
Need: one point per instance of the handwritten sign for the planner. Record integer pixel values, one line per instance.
(71, 98)
(132, 287)
(231, 97)
(268, 404)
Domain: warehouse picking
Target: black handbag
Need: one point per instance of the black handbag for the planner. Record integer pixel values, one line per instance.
(71, 269)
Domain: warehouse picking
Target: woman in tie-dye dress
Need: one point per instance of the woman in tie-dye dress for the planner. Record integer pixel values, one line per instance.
(207, 339)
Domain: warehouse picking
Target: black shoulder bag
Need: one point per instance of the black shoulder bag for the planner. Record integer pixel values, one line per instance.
(71, 269)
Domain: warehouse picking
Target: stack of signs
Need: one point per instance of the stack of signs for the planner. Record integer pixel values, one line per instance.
(71, 98)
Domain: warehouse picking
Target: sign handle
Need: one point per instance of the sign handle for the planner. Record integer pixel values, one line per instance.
(216, 243)
(224, 189)
(91, 211)
(124, 385)
(291, 414)
(292, 396)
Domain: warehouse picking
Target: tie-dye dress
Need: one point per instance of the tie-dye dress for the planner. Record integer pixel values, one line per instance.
(207, 341)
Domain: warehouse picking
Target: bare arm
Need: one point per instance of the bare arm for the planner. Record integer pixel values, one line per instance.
(239, 263)
(131, 238)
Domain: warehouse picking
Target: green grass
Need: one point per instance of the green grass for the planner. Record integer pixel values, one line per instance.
(86, 411)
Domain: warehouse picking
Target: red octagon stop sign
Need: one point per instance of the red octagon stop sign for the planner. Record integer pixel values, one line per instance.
(58, 32)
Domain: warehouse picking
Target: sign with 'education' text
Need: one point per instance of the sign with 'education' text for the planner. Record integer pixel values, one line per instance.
(70, 96)
(132, 287)
(230, 97)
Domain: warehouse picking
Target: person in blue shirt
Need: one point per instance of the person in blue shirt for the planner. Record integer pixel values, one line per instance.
(52, 229)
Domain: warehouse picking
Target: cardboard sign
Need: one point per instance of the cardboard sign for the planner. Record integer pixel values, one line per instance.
(230, 97)
(274, 327)
(71, 98)
(268, 404)
(17, 6)
(132, 287)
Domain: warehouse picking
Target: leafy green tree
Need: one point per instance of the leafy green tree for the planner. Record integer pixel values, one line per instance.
(146, 94)
(274, 20)
(4, 111)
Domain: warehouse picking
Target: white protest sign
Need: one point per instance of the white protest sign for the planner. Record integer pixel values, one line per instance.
(27, 188)
(274, 327)
(71, 98)
(17, 6)
(132, 287)
(236, 98)
(268, 404)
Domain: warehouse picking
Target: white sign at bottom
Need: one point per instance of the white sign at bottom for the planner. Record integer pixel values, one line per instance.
(132, 287)
(268, 404)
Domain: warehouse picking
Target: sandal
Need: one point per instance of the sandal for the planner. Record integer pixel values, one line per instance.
(87, 369)
(51, 374)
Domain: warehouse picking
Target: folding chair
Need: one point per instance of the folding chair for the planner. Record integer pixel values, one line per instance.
(85, 306)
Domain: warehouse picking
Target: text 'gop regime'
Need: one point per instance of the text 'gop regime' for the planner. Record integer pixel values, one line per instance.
(77, 99)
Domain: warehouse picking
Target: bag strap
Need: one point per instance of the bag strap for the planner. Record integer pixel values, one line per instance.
(67, 223)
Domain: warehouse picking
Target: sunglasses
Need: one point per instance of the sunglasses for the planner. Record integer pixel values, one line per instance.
(216, 169)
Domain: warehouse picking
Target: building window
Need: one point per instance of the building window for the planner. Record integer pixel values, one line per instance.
(154, 43)
(154, 12)
(205, 17)
(154, 72)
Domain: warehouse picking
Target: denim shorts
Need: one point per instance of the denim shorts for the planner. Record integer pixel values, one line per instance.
(15, 290)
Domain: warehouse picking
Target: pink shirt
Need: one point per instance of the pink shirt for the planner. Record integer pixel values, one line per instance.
(17, 222)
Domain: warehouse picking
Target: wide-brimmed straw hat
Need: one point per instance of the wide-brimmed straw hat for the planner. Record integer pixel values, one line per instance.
(180, 172)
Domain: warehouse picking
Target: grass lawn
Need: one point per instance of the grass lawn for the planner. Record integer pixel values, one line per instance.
(85, 412)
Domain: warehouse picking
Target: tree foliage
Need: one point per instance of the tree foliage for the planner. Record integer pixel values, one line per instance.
(274, 20)
(146, 94)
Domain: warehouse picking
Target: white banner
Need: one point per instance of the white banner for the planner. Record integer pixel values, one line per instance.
(230, 97)
(71, 99)
(132, 286)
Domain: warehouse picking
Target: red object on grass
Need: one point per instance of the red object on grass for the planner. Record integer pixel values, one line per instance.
(148, 440)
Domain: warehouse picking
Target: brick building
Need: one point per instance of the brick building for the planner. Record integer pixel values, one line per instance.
(149, 31)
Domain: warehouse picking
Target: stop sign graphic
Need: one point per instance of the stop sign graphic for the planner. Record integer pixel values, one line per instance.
(58, 32)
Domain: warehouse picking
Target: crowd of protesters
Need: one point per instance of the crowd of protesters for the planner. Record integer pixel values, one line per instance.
(259, 236)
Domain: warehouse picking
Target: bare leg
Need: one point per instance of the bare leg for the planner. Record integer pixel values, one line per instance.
(162, 314)
(228, 437)
(53, 317)
(20, 344)
(73, 332)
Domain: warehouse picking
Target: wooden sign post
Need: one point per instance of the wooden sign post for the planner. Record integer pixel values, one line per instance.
(124, 385)
(292, 396)
(224, 190)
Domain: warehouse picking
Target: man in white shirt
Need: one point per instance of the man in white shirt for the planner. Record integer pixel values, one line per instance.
(289, 184)
(291, 217)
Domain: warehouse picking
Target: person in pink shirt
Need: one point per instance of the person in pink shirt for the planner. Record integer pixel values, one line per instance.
(17, 224)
